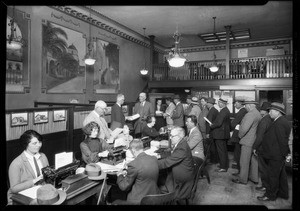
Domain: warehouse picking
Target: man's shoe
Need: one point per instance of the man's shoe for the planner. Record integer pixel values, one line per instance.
(221, 170)
(237, 181)
(261, 188)
(264, 198)
(236, 174)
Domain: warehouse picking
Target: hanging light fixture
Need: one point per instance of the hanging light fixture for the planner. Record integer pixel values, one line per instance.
(175, 59)
(214, 68)
(13, 41)
(144, 71)
(88, 58)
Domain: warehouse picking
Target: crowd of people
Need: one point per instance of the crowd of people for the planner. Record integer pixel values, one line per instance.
(260, 136)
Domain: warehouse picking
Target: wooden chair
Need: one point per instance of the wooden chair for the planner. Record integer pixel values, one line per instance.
(159, 199)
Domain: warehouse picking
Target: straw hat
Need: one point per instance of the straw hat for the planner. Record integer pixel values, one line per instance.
(223, 100)
(49, 195)
(195, 100)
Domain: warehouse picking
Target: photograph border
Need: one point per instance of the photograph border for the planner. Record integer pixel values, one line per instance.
(37, 112)
(59, 120)
(11, 119)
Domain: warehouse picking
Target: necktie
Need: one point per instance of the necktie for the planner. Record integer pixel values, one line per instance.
(36, 167)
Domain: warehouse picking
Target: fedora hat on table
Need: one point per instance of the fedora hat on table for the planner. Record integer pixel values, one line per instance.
(49, 195)
(278, 107)
(195, 100)
(93, 171)
(211, 100)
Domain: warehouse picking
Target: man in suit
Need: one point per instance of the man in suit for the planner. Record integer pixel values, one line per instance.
(195, 107)
(274, 151)
(144, 109)
(221, 133)
(117, 115)
(195, 140)
(202, 123)
(247, 134)
(181, 178)
(262, 127)
(189, 107)
(234, 126)
(141, 176)
(211, 116)
(169, 111)
(178, 113)
(97, 116)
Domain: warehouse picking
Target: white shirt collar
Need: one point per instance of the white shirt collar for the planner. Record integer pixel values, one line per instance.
(96, 113)
(118, 104)
(177, 103)
(30, 157)
(192, 130)
(276, 118)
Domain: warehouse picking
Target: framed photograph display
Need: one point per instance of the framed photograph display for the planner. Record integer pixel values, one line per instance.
(59, 115)
(18, 119)
(40, 117)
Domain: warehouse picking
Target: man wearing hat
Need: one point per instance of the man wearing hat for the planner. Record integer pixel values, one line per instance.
(221, 133)
(195, 107)
(274, 150)
(234, 126)
(262, 127)
(211, 116)
(247, 134)
(178, 113)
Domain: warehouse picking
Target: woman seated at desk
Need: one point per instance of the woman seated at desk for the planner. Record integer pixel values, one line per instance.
(25, 170)
(149, 130)
(92, 148)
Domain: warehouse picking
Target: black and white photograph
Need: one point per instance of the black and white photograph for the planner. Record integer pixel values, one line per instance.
(59, 115)
(18, 119)
(40, 117)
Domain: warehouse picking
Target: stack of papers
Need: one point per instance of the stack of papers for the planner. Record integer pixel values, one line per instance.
(62, 159)
(111, 168)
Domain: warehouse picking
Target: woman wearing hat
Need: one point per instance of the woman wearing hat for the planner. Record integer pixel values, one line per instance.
(274, 150)
(25, 170)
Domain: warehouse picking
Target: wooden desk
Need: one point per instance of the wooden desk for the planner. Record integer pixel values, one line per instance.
(75, 194)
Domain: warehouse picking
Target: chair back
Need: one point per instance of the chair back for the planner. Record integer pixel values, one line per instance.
(158, 199)
(78, 156)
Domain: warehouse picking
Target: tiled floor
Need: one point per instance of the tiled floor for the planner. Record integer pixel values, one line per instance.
(222, 191)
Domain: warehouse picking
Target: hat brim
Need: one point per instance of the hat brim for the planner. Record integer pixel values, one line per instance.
(62, 197)
(277, 109)
(100, 177)
(196, 103)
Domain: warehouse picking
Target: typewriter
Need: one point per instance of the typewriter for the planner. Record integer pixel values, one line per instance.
(146, 141)
(117, 155)
(55, 176)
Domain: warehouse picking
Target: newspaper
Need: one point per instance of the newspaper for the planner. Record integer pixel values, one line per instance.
(133, 117)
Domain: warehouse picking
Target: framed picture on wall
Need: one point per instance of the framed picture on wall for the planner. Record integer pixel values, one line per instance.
(40, 117)
(106, 68)
(59, 115)
(18, 119)
(63, 67)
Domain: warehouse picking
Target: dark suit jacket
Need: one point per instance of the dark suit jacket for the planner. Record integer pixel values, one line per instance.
(221, 125)
(237, 120)
(141, 178)
(211, 116)
(182, 164)
(143, 111)
(275, 141)
(117, 114)
(201, 120)
(262, 127)
(178, 115)
(151, 132)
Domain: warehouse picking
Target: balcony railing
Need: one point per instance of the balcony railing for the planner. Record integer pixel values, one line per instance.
(254, 67)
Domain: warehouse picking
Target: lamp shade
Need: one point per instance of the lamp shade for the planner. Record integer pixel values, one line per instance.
(214, 68)
(176, 61)
(89, 60)
(144, 72)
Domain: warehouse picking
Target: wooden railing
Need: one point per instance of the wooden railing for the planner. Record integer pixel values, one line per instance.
(254, 67)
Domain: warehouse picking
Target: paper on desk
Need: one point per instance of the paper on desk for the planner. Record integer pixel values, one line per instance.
(209, 122)
(109, 168)
(133, 117)
(62, 159)
(116, 132)
(30, 192)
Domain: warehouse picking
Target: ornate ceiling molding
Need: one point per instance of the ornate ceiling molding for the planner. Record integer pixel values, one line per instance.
(104, 26)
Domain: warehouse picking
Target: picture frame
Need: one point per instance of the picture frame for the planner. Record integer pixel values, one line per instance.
(19, 119)
(40, 117)
(63, 71)
(124, 108)
(59, 115)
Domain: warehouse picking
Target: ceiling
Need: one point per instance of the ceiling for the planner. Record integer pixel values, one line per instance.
(269, 21)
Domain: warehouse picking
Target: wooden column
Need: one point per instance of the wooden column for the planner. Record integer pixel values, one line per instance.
(151, 55)
(227, 50)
